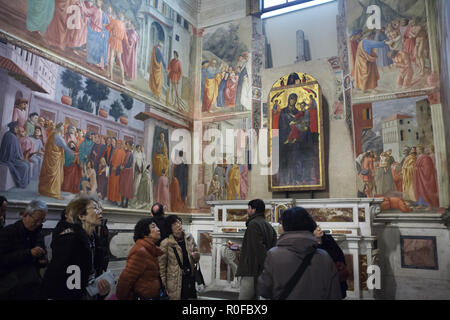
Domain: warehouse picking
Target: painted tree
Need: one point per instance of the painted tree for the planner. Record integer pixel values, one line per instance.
(127, 101)
(116, 110)
(85, 104)
(97, 92)
(73, 83)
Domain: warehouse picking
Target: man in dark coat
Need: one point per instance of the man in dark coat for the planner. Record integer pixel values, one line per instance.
(11, 155)
(22, 254)
(158, 213)
(258, 239)
(320, 280)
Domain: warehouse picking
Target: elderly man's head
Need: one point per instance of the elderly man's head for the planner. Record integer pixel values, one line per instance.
(34, 215)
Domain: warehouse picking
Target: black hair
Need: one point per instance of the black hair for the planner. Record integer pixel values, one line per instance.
(170, 220)
(257, 204)
(160, 210)
(33, 114)
(141, 229)
(180, 153)
(297, 219)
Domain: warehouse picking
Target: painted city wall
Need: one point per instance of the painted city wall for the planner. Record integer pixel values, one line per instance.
(397, 158)
(140, 47)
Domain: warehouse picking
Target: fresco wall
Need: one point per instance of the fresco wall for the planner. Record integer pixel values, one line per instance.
(392, 58)
(55, 147)
(226, 84)
(398, 159)
(140, 47)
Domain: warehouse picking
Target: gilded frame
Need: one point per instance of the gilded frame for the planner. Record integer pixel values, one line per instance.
(309, 173)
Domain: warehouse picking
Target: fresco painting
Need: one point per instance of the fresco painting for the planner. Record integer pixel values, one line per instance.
(226, 83)
(297, 123)
(391, 57)
(55, 147)
(397, 158)
(141, 47)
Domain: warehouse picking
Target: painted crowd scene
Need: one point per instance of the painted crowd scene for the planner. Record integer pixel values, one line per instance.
(142, 46)
(398, 160)
(393, 57)
(80, 137)
(226, 70)
(62, 161)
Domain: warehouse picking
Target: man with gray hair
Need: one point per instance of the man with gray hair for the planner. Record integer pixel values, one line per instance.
(22, 254)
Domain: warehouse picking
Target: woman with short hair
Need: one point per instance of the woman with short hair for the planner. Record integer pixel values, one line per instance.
(140, 279)
(177, 264)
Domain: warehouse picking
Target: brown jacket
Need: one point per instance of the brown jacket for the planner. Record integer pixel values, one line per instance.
(171, 273)
(141, 274)
(320, 280)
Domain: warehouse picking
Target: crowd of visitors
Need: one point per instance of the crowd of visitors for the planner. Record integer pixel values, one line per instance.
(303, 263)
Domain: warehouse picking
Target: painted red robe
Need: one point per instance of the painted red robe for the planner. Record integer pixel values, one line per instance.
(56, 34)
(425, 181)
(129, 58)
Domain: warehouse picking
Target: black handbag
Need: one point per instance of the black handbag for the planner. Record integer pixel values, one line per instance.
(198, 275)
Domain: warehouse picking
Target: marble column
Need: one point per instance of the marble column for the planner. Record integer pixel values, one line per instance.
(194, 185)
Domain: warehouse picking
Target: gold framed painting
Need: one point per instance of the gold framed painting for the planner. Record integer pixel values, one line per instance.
(296, 134)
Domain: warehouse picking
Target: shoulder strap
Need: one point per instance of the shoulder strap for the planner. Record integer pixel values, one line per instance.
(296, 277)
(178, 258)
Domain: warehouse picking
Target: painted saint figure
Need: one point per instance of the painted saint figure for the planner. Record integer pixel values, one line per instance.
(126, 176)
(117, 160)
(211, 86)
(97, 35)
(11, 156)
(174, 73)
(425, 181)
(20, 112)
(408, 168)
(117, 37)
(160, 157)
(157, 67)
(39, 15)
(37, 154)
(56, 34)
(366, 73)
(72, 170)
(129, 55)
(52, 172)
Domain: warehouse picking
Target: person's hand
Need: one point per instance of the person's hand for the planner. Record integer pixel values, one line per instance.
(103, 287)
(37, 252)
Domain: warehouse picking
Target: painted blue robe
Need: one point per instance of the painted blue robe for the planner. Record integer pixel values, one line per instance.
(85, 150)
(96, 46)
(11, 155)
(383, 59)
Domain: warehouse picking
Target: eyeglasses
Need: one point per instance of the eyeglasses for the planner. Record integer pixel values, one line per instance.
(96, 209)
(38, 220)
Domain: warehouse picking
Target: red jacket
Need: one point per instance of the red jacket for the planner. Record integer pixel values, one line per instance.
(141, 274)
